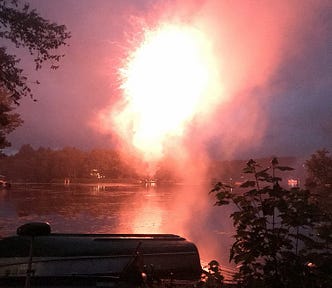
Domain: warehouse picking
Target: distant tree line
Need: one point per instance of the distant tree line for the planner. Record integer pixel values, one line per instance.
(231, 171)
(47, 165)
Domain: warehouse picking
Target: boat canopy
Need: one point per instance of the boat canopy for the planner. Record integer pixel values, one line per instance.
(116, 256)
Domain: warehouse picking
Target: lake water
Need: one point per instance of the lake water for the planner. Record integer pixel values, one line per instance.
(187, 211)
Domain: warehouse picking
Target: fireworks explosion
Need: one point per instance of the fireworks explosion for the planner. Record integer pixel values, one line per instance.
(188, 71)
(167, 80)
(200, 75)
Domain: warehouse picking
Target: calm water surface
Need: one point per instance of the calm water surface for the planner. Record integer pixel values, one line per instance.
(107, 208)
(119, 208)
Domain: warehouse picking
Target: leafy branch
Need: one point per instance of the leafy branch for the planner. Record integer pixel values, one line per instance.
(276, 230)
(25, 28)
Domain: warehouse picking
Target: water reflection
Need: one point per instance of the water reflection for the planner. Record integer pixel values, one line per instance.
(149, 213)
(107, 208)
(119, 208)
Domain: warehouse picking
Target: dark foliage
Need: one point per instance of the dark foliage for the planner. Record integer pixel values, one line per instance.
(212, 277)
(46, 165)
(282, 236)
(8, 121)
(23, 28)
(319, 169)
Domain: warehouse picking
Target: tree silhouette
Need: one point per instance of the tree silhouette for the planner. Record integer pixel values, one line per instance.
(23, 27)
(9, 121)
(319, 169)
(278, 241)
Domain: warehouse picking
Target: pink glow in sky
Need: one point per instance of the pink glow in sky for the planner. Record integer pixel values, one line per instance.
(271, 66)
(249, 79)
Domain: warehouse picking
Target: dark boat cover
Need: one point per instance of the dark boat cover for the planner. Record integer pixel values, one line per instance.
(37, 255)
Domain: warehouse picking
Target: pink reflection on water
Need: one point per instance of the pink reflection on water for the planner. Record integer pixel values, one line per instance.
(121, 209)
(149, 215)
(148, 212)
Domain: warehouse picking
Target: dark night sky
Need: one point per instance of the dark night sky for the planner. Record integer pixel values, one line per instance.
(294, 101)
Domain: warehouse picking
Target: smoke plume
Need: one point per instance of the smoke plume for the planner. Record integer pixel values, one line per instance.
(248, 41)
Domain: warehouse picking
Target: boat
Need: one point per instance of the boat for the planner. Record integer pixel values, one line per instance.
(35, 256)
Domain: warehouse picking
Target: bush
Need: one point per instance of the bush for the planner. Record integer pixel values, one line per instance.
(282, 236)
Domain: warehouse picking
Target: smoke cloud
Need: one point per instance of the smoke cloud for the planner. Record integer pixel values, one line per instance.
(250, 41)
(272, 92)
